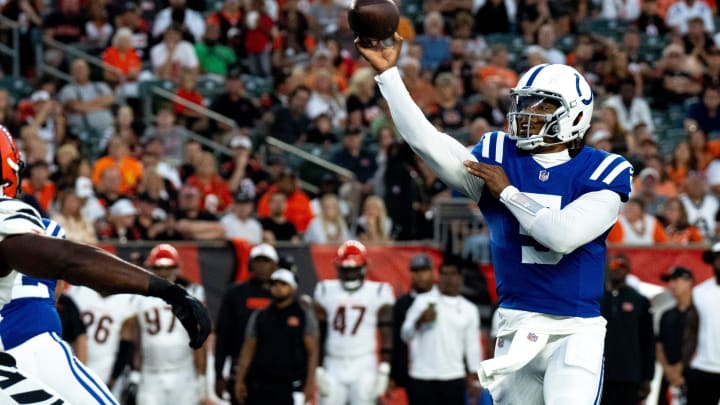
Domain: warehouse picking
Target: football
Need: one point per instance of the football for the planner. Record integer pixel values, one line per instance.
(373, 20)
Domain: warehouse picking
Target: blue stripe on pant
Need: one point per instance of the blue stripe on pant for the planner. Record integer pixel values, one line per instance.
(95, 389)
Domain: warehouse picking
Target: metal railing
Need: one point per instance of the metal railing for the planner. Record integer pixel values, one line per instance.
(14, 51)
(454, 220)
(77, 53)
(284, 146)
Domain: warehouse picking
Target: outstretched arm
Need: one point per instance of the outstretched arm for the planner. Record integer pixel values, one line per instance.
(443, 153)
(51, 258)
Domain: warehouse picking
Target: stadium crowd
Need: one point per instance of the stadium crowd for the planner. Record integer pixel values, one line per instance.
(288, 69)
(105, 170)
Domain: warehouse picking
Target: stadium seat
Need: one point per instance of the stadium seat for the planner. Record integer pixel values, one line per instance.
(256, 86)
(18, 87)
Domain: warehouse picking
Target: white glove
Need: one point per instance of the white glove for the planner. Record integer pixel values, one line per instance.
(322, 380)
(382, 379)
(134, 377)
(201, 388)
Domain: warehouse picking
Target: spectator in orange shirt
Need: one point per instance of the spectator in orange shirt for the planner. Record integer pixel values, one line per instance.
(675, 219)
(39, 184)
(118, 156)
(122, 56)
(498, 66)
(636, 227)
(215, 194)
(298, 211)
(188, 91)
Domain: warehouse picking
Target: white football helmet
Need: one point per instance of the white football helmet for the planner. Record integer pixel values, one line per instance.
(557, 95)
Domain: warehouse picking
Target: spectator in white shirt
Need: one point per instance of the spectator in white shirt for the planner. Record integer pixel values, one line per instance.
(625, 10)
(442, 330)
(239, 222)
(682, 11)
(173, 55)
(631, 110)
(192, 20)
(546, 37)
(702, 350)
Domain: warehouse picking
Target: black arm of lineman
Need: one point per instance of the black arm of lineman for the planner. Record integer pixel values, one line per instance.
(80, 264)
(385, 323)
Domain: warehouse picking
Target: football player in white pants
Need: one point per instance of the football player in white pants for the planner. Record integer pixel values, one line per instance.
(549, 202)
(353, 309)
(24, 249)
(103, 317)
(171, 373)
(30, 331)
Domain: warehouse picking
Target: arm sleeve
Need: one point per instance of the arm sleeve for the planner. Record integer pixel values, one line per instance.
(223, 332)
(559, 229)
(250, 331)
(443, 153)
(408, 327)
(472, 341)
(17, 218)
(312, 328)
(647, 341)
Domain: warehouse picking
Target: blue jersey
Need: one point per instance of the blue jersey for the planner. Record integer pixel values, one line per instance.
(31, 310)
(529, 276)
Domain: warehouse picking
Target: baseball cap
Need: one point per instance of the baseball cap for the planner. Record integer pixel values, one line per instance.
(420, 261)
(40, 95)
(709, 255)
(122, 207)
(83, 187)
(264, 250)
(598, 136)
(678, 272)
(649, 171)
(284, 275)
(240, 141)
(619, 261)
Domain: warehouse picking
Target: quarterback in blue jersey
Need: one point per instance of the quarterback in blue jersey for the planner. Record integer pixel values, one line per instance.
(549, 202)
(37, 346)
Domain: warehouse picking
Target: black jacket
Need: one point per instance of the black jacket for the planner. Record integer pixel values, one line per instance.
(237, 304)
(629, 343)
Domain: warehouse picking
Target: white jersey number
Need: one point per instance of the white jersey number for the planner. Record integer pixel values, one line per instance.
(340, 322)
(530, 254)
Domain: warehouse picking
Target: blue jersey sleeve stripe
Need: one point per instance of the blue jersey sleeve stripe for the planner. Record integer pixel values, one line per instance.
(486, 140)
(603, 165)
(499, 146)
(616, 172)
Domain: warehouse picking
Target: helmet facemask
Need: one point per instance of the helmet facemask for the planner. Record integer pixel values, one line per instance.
(351, 278)
(535, 116)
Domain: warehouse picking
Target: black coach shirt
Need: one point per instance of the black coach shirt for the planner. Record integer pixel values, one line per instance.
(672, 332)
(237, 305)
(280, 354)
(629, 342)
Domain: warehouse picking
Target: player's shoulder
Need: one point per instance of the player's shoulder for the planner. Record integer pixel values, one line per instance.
(378, 287)
(18, 217)
(327, 288)
(604, 166)
(494, 147)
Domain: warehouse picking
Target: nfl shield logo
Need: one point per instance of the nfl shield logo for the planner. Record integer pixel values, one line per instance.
(544, 175)
(500, 342)
(532, 337)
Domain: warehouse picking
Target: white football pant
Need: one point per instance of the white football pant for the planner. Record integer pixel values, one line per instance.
(567, 371)
(175, 387)
(49, 359)
(350, 380)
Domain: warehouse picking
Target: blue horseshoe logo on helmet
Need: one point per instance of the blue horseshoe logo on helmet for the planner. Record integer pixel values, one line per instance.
(585, 101)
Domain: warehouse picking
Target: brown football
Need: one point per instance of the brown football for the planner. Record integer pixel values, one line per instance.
(373, 19)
